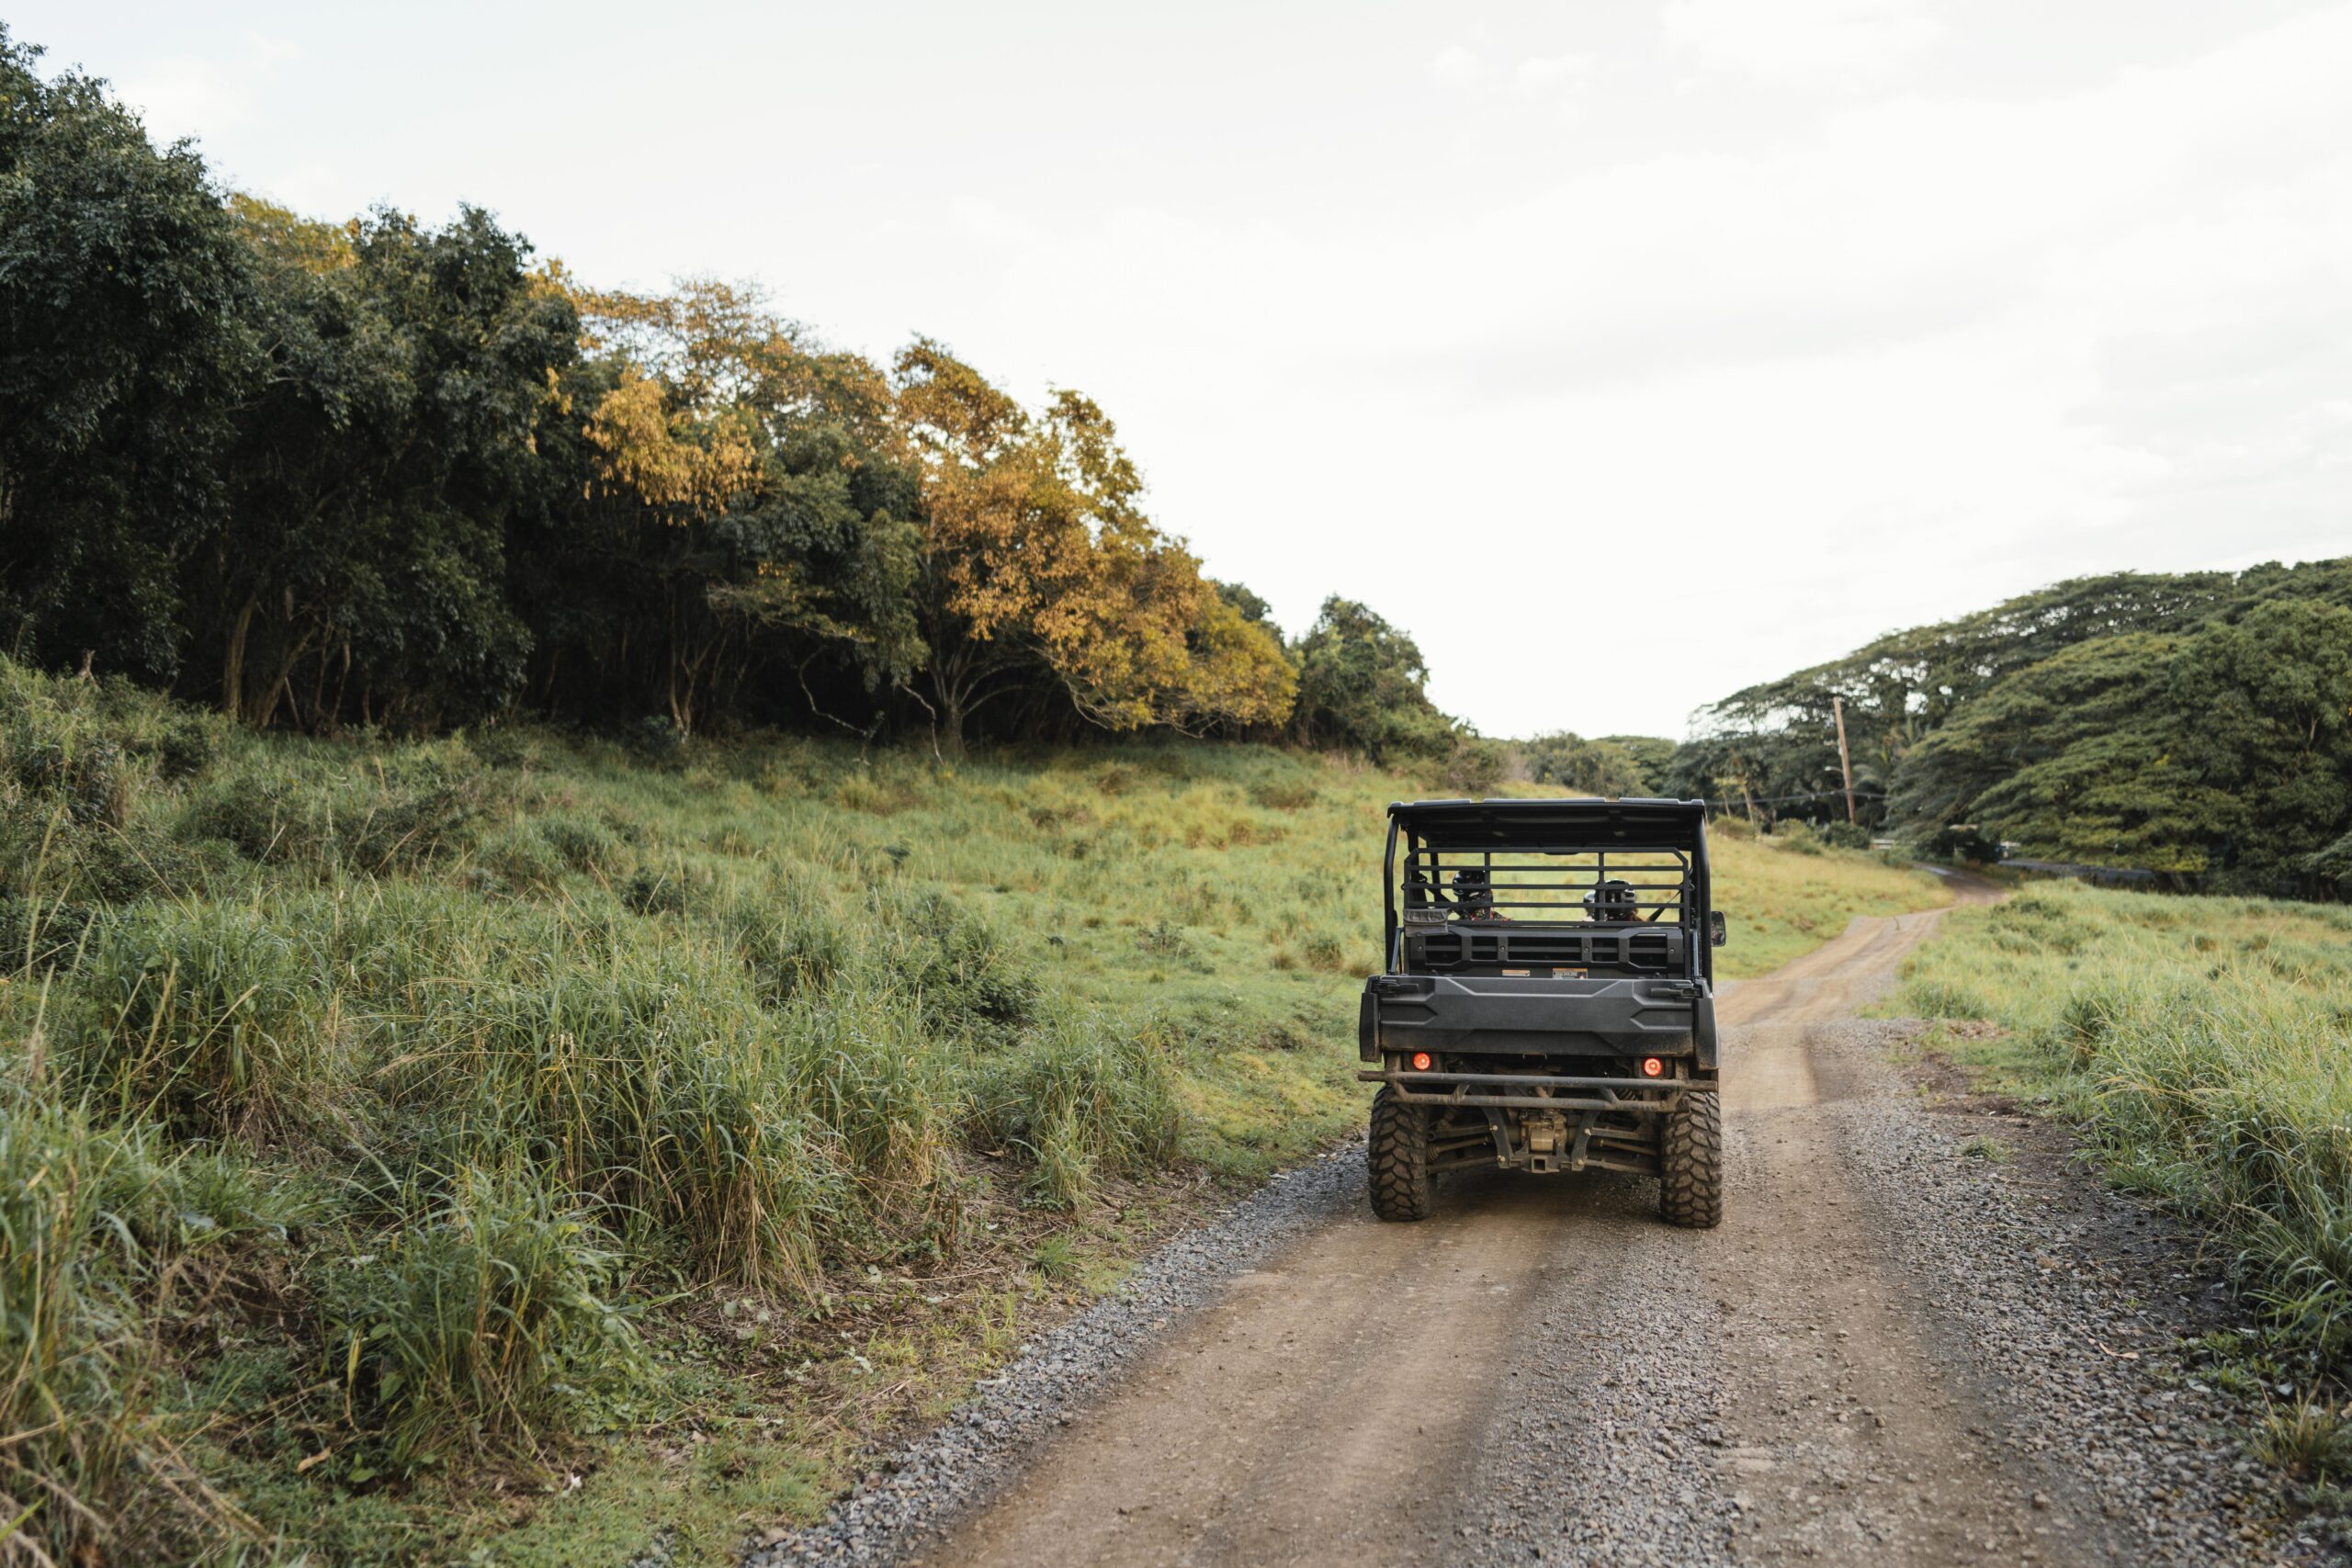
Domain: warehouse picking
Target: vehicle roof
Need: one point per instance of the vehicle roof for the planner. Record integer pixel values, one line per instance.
(1627, 820)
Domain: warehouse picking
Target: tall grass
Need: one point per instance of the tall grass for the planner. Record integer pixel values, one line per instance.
(386, 1109)
(94, 1221)
(2200, 1040)
(501, 1307)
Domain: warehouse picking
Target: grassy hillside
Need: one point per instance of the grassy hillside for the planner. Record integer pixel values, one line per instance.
(383, 1122)
(2200, 1042)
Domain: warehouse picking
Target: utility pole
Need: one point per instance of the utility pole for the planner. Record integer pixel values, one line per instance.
(1845, 762)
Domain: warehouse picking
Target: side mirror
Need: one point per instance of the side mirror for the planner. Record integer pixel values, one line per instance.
(1717, 933)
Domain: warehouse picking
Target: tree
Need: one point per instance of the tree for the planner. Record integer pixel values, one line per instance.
(358, 570)
(1361, 685)
(731, 508)
(1776, 743)
(2068, 757)
(125, 348)
(1651, 755)
(2224, 750)
(2261, 709)
(1584, 767)
(1037, 555)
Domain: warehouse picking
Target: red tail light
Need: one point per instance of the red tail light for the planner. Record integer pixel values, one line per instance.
(1651, 1066)
(1420, 1061)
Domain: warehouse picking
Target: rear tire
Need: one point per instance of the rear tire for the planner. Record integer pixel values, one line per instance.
(1396, 1159)
(1691, 1162)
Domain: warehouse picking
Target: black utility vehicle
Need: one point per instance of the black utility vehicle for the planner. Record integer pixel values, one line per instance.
(1549, 1003)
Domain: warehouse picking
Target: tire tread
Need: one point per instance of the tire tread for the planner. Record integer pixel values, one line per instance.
(1691, 1163)
(1396, 1160)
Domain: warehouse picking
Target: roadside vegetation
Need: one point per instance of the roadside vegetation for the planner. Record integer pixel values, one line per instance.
(382, 1122)
(2199, 1041)
(2193, 725)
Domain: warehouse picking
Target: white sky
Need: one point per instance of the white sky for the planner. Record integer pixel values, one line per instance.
(1623, 351)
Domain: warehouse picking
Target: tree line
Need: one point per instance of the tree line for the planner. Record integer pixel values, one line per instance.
(378, 473)
(2197, 724)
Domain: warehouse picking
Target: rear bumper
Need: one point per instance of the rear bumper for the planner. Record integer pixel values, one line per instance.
(1641, 1097)
(1479, 1015)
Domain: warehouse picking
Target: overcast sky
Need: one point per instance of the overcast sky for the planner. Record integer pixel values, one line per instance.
(1623, 351)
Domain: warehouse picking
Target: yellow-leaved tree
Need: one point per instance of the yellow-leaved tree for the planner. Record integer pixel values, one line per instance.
(1037, 551)
(744, 505)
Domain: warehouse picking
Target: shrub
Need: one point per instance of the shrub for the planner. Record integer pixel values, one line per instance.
(1474, 766)
(486, 1328)
(673, 889)
(583, 843)
(1795, 835)
(644, 1078)
(89, 1471)
(209, 1018)
(1082, 1095)
(959, 967)
(1284, 795)
(37, 933)
(431, 802)
(789, 936)
(858, 1065)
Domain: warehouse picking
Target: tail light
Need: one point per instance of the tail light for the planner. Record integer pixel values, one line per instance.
(1651, 1066)
(1420, 1061)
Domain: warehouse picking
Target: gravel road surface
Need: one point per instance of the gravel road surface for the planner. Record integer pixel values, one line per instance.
(1889, 1353)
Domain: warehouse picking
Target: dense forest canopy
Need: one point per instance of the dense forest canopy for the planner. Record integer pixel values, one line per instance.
(2197, 724)
(378, 473)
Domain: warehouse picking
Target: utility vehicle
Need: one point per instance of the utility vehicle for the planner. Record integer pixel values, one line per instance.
(1549, 999)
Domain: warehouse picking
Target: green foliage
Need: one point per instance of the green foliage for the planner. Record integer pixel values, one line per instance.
(1361, 687)
(125, 349)
(383, 474)
(959, 967)
(2198, 725)
(87, 1214)
(500, 1059)
(1652, 756)
(287, 812)
(1080, 1097)
(2199, 1040)
(1594, 767)
(206, 1017)
(1476, 767)
(487, 1327)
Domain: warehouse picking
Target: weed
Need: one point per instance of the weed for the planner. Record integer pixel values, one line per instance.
(2199, 1041)
(91, 1470)
(207, 1018)
(487, 1329)
(1056, 1258)
(2307, 1440)
(586, 1025)
(1083, 1094)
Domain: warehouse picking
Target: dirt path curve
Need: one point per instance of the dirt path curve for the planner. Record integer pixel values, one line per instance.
(1384, 1394)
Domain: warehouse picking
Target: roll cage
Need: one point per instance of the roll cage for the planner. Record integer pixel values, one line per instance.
(1547, 886)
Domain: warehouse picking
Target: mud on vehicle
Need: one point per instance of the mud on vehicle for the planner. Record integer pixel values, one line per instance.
(1549, 999)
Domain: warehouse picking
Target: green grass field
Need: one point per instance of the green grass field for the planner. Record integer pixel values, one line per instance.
(392, 1134)
(2201, 1044)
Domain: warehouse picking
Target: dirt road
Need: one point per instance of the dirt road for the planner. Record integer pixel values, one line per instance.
(1544, 1371)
